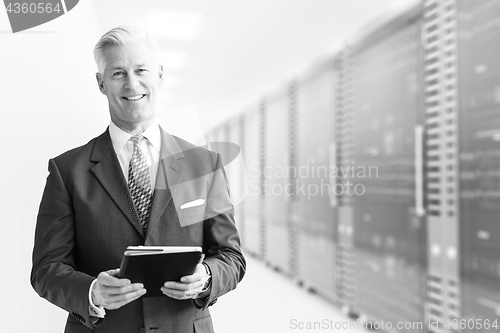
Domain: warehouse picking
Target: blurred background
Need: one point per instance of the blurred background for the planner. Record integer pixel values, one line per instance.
(368, 177)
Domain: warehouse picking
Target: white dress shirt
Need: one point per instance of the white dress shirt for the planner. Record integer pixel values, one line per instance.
(124, 149)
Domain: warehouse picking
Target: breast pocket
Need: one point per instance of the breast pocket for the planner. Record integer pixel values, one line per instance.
(191, 215)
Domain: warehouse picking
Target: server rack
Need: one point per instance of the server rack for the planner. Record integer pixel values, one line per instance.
(440, 107)
(386, 175)
(212, 136)
(479, 125)
(315, 187)
(218, 140)
(341, 158)
(293, 162)
(215, 139)
(252, 135)
(275, 179)
(418, 100)
(236, 171)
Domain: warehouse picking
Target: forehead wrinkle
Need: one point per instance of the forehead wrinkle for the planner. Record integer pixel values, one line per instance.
(130, 56)
(127, 63)
(130, 61)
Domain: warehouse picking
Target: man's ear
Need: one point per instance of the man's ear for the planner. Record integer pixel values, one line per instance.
(100, 83)
(160, 74)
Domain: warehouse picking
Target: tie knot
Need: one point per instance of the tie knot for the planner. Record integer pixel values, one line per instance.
(137, 139)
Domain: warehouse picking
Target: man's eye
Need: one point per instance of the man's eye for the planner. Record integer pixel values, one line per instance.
(118, 73)
(142, 70)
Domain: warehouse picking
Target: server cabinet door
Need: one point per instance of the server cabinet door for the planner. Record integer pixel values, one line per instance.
(479, 80)
(389, 239)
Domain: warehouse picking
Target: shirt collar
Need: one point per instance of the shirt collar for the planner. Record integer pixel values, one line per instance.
(119, 137)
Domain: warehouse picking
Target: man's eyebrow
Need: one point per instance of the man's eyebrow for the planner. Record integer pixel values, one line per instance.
(122, 67)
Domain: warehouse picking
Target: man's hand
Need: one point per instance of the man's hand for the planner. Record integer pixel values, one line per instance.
(189, 286)
(113, 293)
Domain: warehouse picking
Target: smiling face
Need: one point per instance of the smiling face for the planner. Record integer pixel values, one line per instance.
(130, 80)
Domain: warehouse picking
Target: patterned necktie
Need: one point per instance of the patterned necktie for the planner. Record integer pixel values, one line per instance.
(139, 182)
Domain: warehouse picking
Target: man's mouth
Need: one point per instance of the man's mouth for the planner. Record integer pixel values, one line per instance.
(134, 98)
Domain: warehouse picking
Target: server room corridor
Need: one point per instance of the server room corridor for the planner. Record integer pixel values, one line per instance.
(360, 145)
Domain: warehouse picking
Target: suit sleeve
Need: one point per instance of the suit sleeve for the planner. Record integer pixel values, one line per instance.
(53, 274)
(221, 242)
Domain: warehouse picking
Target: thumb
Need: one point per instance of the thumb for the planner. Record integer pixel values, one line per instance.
(113, 272)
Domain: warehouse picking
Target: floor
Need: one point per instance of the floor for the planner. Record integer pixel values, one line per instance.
(267, 301)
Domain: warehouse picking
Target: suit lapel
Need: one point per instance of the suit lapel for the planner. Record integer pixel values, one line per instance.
(110, 175)
(170, 171)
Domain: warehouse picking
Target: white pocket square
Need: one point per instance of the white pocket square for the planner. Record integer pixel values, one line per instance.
(194, 203)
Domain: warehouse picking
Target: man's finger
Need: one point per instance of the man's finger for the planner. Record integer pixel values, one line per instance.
(182, 286)
(191, 278)
(181, 294)
(117, 301)
(174, 285)
(113, 272)
(176, 294)
(124, 290)
(127, 297)
(106, 279)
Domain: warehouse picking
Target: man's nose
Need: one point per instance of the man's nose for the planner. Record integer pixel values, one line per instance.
(132, 81)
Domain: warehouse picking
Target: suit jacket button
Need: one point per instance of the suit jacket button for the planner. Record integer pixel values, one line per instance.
(142, 330)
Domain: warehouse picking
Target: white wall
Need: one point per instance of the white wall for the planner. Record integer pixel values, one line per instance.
(49, 104)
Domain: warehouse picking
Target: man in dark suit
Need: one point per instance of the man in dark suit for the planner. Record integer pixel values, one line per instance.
(134, 184)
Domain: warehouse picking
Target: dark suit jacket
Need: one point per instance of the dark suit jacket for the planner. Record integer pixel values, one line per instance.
(87, 219)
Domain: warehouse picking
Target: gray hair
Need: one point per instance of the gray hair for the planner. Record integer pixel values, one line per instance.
(122, 35)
